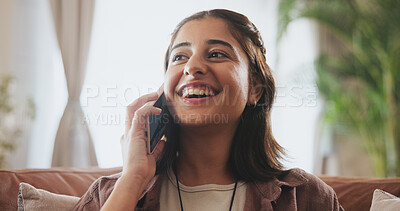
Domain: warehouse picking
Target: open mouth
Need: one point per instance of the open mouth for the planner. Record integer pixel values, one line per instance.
(197, 92)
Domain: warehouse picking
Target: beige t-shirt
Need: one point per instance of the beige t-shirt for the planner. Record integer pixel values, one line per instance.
(208, 197)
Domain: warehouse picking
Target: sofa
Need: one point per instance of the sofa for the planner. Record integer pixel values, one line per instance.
(353, 193)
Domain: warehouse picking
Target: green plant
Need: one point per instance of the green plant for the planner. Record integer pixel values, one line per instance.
(10, 130)
(361, 85)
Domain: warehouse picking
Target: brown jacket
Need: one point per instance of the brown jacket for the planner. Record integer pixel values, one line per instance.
(293, 190)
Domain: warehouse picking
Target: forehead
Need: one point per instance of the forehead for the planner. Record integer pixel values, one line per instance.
(205, 29)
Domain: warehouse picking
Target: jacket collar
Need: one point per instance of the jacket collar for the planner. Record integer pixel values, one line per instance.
(271, 190)
(268, 191)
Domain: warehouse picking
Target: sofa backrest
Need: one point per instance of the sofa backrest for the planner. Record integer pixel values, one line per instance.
(69, 181)
(356, 193)
(353, 193)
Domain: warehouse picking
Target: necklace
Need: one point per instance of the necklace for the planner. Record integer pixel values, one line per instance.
(180, 197)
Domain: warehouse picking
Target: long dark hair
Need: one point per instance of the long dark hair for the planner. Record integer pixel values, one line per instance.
(255, 155)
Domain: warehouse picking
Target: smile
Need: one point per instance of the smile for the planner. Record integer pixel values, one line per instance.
(189, 91)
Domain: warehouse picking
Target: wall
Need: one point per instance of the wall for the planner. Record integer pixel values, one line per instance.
(33, 58)
(6, 23)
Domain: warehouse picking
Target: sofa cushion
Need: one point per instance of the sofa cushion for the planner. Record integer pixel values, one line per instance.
(384, 201)
(68, 181)
(32, 199)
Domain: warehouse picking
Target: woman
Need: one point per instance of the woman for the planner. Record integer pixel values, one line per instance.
(220, 153)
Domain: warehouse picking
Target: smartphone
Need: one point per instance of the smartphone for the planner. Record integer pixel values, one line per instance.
(157, 124)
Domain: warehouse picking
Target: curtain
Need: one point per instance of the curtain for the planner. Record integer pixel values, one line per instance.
(73, 19)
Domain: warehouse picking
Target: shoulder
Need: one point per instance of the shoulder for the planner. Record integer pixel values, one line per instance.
(294, 189)
(305, 181)
(97, 193)
(312, 193)
(103, 185)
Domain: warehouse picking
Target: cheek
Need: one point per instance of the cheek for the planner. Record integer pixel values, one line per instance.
(245, 85)
(240, 79)
(171, 80)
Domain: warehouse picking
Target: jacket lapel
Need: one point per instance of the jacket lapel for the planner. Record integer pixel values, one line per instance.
(261, 195)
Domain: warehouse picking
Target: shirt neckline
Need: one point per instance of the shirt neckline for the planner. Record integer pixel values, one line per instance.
(201, 188)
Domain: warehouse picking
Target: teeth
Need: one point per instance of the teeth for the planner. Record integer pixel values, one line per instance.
(186, 92)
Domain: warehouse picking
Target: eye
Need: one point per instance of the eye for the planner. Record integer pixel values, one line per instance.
(216, 54)
(178, 58)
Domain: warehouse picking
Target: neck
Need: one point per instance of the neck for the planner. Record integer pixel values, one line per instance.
(204, 154)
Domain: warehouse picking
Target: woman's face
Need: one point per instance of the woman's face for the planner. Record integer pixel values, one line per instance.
(207, 78)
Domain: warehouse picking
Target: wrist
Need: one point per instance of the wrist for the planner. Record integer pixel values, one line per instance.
(125, 194)
(129, 181)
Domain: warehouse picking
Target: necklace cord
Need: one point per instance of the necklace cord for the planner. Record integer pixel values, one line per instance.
(179, 190)
(233, 195)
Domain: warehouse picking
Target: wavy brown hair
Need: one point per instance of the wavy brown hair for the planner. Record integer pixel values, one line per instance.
(255, 155)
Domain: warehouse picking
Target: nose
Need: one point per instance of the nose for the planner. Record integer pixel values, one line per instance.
(195, 65)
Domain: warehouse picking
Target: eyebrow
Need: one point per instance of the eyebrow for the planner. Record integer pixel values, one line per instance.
(220, 42)
(180, 45)
(210, 42)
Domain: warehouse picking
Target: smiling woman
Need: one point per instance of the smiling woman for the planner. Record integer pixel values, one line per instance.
(197, 62)
(215, 65)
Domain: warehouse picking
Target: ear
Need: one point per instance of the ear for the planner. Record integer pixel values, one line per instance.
(255, 92)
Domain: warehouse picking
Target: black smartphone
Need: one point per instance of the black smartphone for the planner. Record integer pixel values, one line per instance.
(157, 124)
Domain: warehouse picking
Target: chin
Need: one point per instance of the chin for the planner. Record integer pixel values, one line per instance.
(201, 119)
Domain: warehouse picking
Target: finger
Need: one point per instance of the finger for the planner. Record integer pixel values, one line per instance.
(157, 153)
(148, 104)
(135, 105)
(140, 119)
(160, 90)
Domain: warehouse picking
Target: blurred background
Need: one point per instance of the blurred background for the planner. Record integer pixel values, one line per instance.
(69, 68)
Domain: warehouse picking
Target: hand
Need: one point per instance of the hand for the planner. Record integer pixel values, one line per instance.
(138, 166)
